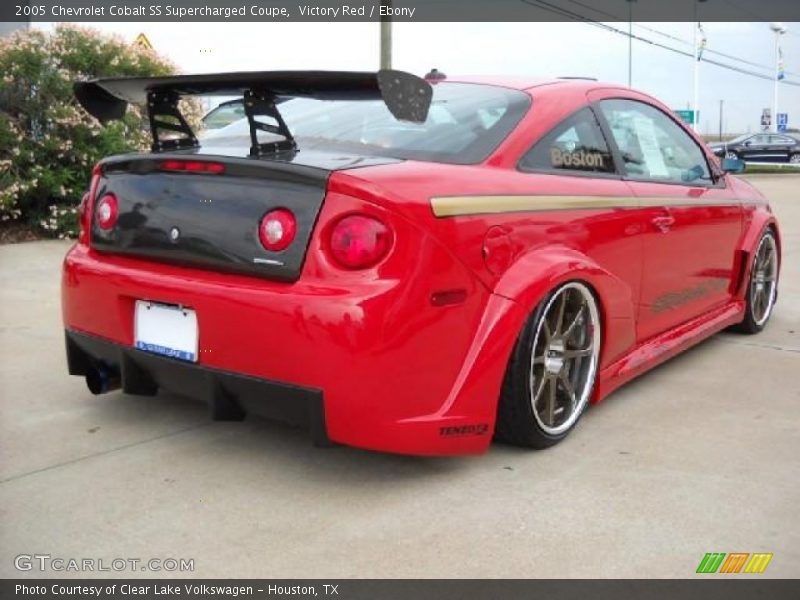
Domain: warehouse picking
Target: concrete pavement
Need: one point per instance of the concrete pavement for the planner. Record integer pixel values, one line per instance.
(700, 455)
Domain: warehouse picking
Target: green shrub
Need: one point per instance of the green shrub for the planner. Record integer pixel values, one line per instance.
(48, 143)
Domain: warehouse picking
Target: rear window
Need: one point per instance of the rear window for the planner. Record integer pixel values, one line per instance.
(466, 122)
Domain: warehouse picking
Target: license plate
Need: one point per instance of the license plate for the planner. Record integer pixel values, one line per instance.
(166, 329)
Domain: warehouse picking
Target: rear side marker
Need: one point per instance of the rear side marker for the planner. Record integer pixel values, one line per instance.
(448, 297)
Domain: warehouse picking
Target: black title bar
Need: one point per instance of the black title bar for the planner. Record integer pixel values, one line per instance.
(399, 10)
(711, 588)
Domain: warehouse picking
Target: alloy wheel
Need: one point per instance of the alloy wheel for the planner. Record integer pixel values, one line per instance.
(764, 280)
(564, 360)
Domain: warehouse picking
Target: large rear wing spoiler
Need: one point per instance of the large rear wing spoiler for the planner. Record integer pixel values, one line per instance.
(407, 97)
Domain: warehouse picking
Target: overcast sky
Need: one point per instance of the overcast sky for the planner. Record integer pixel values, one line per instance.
(538, 49)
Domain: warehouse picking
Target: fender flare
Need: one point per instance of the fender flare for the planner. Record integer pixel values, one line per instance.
(758, 225)
(476, 391)
(558, 264)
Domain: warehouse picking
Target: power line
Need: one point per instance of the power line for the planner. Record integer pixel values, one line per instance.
(707, 50)
(710, 51)
(670, 36)
(546, 6)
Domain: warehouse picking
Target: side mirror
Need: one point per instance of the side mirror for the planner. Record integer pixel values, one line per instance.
(748, 143)
(693, 174)
(732, 165)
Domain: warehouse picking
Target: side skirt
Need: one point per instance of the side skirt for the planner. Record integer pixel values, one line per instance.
(664, 346)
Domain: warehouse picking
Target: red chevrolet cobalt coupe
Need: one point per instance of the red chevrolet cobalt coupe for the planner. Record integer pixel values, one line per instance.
(406, 265)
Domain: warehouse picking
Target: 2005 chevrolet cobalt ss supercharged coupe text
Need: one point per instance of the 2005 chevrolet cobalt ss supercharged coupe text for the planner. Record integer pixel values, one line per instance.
(406, 265)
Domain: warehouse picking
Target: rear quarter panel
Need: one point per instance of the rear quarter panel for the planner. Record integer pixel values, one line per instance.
(542, 248)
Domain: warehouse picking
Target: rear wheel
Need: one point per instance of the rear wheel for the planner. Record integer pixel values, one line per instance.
(762, 289)
(552, 370)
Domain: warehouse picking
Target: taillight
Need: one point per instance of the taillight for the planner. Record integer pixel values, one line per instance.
(277, 229)
(106, 211)
(192, 166)
(359, 242)
(87, 205)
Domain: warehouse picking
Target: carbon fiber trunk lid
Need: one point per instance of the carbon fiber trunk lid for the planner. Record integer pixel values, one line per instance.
(211, 220)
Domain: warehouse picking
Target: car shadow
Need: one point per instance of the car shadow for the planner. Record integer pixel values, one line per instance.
(256, 441)
(633, 390)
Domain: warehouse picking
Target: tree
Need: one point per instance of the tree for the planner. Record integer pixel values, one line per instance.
(48, 143)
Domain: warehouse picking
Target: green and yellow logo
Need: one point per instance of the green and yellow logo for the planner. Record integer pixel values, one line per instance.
(735, 562)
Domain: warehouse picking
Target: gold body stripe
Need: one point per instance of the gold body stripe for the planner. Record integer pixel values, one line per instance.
(452, 206)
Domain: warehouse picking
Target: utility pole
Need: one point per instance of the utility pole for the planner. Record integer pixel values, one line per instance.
(630, 42)
(696, 100)
(386, 38)
(779, 30)
(721, 106)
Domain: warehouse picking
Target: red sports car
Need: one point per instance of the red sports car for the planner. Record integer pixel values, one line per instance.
(408, 265)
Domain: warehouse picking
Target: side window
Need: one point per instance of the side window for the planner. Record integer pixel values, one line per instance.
(652, 145)
(779, 140)
(759, 140)
(575, 144)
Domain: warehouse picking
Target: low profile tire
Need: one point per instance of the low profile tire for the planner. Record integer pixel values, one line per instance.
(762, 288)
(795, 159)
(552, 370)
(732, 155)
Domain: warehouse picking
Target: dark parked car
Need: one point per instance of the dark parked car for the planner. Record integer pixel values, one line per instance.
(761, 147)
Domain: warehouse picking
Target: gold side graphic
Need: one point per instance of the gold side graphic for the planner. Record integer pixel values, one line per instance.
(452, 206)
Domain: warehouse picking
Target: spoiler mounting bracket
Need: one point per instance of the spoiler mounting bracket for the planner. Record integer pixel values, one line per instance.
(260, 103)
(165, 104)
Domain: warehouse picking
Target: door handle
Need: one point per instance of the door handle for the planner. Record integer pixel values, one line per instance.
(664, 223)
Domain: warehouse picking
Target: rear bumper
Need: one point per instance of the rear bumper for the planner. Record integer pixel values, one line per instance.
(366, 362)
(225, 393)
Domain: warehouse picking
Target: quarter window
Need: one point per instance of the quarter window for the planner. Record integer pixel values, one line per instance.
(575, 144)
(653, 147)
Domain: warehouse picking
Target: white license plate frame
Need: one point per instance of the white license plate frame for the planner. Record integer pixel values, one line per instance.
(166, 329)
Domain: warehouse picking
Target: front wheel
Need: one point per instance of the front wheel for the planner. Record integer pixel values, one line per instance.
(795, 159)
(762, 289)
(731, 155)
(552, 371)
